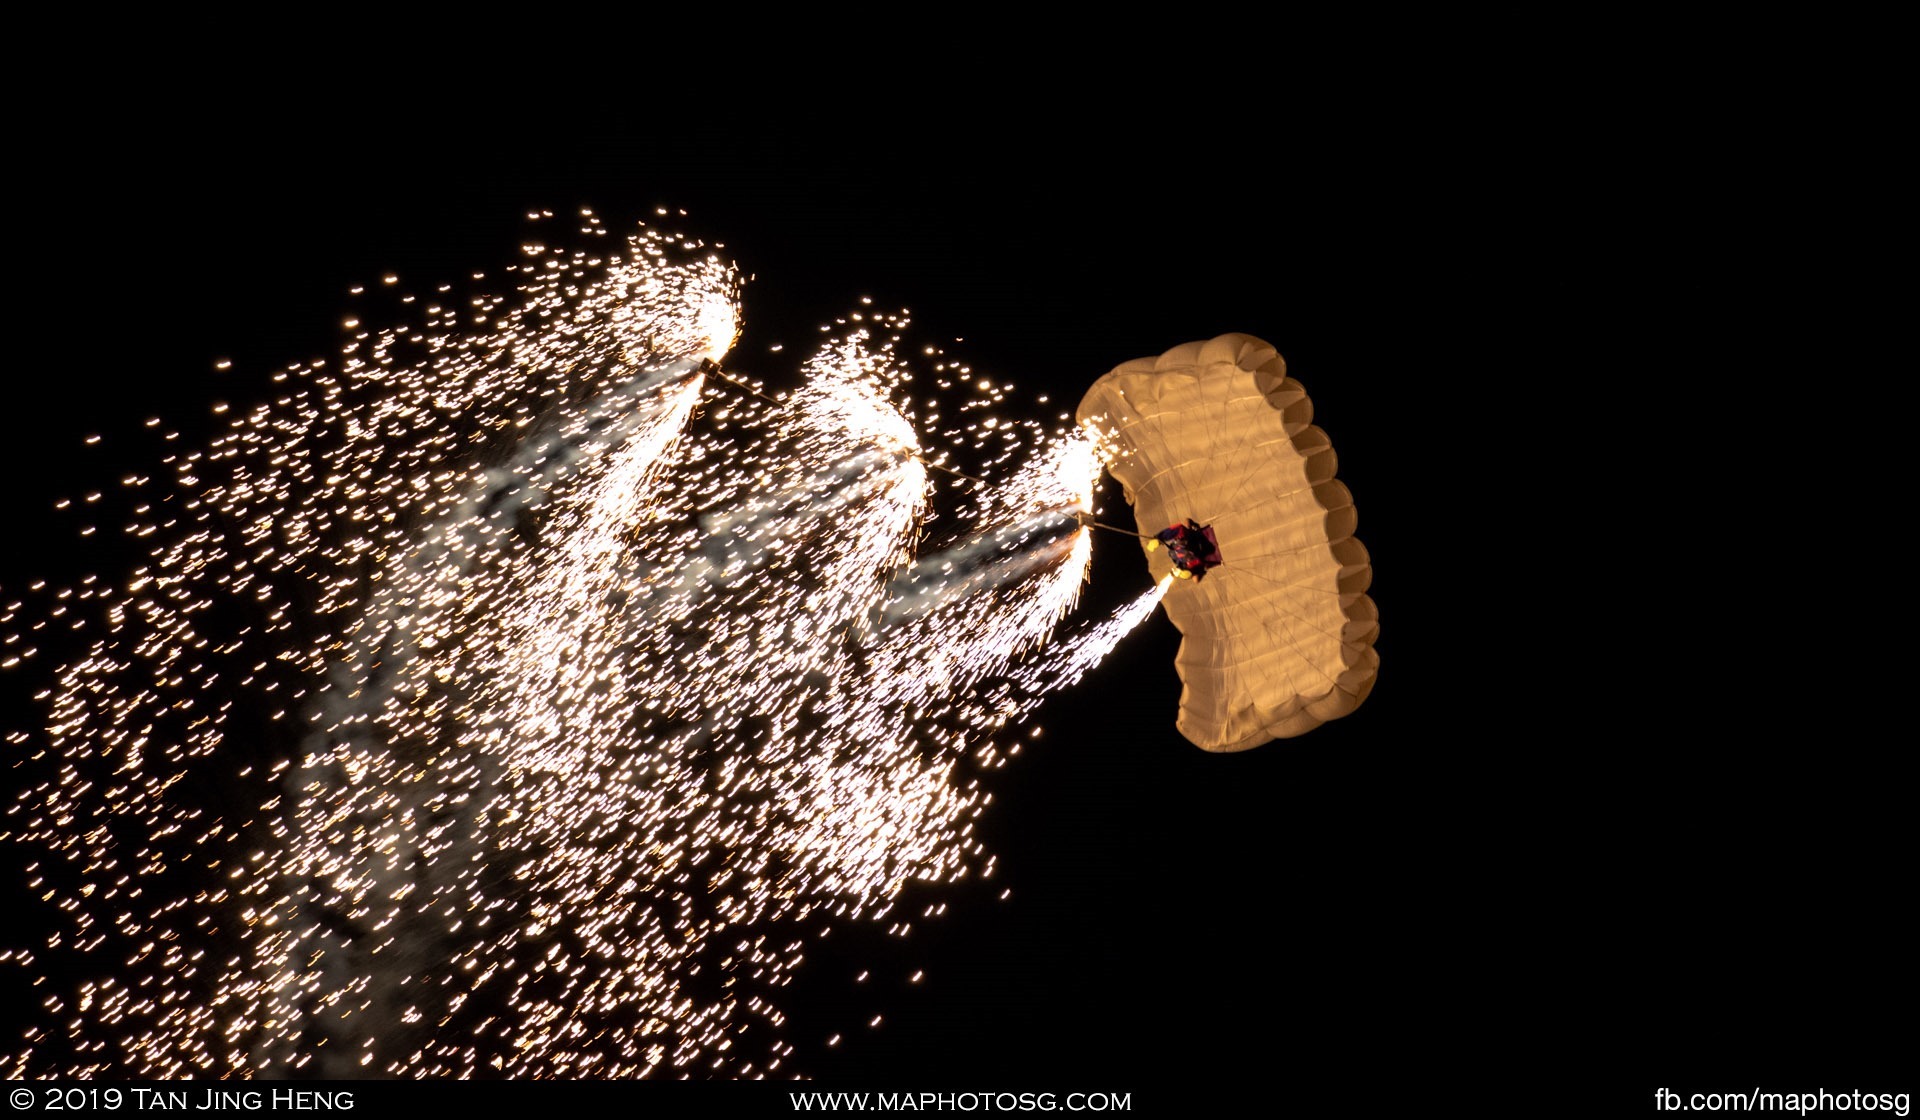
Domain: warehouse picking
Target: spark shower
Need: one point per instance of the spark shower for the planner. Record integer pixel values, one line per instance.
(520, 693)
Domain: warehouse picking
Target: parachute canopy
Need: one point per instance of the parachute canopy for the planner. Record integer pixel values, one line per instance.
(1215, 433)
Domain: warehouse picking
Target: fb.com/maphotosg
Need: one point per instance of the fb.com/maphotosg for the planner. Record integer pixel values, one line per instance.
(1757, 1100)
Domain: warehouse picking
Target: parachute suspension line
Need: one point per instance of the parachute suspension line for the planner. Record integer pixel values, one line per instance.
(931, 465)
(711, 367)
(1087, 521)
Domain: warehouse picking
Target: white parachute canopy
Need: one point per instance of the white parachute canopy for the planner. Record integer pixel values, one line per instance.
(1279, 637)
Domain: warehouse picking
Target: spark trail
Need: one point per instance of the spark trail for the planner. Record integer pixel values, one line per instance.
(508, 698)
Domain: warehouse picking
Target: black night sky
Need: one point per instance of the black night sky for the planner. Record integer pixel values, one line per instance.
(1532, 854)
